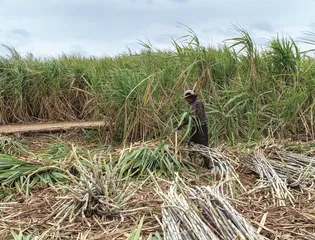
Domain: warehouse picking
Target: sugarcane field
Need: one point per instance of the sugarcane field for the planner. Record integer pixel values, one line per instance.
(191, 143)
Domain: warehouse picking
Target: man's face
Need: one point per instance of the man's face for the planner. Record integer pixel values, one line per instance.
(189, 100)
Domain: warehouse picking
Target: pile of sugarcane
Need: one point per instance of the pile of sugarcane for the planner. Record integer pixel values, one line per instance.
(95, 188)
(11, 146)
(270, 178)
(202, 213)
(152, 156)
(297, 169)
(220, 166)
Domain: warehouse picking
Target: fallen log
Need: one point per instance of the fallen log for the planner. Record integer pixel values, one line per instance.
(49, 127)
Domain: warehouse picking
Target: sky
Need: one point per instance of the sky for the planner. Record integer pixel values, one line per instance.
(110, 27)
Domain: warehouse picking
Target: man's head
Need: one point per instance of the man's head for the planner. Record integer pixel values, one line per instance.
(190, 96)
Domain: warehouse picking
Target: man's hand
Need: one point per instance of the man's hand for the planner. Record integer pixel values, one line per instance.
(179, 128)
(174, 130)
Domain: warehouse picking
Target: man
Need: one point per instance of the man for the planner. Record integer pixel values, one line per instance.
(199, 131)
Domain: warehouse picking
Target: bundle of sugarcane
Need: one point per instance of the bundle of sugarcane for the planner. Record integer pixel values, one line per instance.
(181, 219)
(220, 165)
(269, 177)
(98, 189)
(12, 147)
(297, 169)
(25, 175)
(202, 213)
(152, 156)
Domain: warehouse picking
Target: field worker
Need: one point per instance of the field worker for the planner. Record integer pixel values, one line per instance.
(199, 131)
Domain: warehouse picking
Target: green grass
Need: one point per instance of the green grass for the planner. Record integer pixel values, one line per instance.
(21, 236)
(249, 92)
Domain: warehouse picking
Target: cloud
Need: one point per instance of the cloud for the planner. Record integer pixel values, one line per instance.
(263, 26)
(226, 32)
(180, 1)
(15, 38)
(260, 41)
(78, 50)
(166, 38)
(20, 33)
(312, 26)
(98, 27)
(3, 51)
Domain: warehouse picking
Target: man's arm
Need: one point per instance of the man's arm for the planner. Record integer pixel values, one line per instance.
(184, 123)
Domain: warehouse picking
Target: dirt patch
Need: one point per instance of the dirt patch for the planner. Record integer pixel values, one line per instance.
(35, 215)
(285, 222)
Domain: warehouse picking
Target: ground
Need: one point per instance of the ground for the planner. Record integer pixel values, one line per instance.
(35, 213)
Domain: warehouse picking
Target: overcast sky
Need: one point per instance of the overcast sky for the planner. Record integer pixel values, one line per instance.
(108, 27)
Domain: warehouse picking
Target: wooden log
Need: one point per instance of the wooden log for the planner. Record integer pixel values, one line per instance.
(49, 127)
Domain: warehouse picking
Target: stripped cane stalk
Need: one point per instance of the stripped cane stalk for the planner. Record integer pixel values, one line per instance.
(299, 170)
(202, 213)
(221, 167)
(99, 189)
(269, 177)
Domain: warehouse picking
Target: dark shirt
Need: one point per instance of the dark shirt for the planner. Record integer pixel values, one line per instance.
(198, 110)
